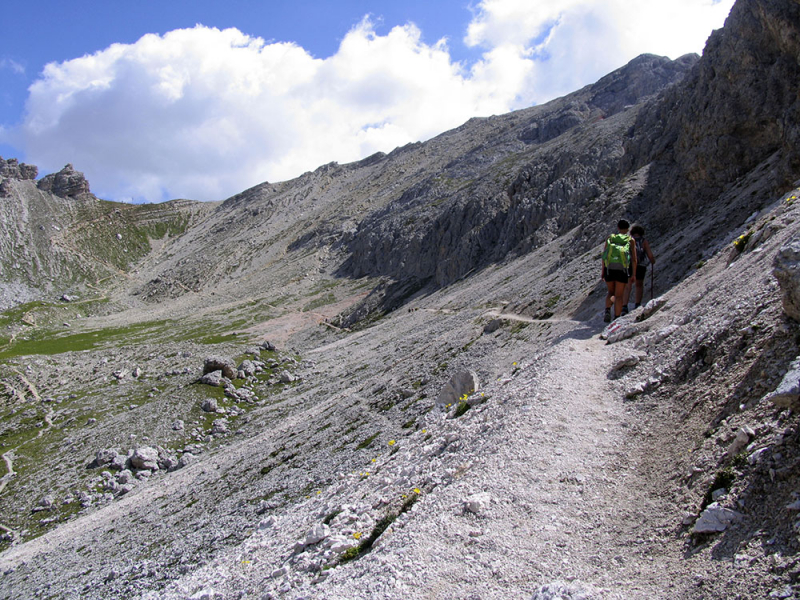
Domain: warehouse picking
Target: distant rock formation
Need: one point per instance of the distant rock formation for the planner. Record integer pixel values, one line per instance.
(13, 169)
(67, 182)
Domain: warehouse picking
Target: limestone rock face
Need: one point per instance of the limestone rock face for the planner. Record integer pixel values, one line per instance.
(67, 182)
(13, 169)
(787, 272)
(722, 120)
(460, 218)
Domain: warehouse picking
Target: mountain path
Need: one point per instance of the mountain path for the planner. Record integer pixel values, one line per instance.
(559, 471)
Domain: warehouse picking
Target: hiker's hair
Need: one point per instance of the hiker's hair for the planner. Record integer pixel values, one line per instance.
(637, 230)
(623, 224)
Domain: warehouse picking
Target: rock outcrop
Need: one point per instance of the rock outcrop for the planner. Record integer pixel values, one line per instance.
(67, 182)
(787, 272)
(13, 169)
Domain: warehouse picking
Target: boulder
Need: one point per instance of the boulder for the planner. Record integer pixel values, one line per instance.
(715, 518)
(743, 437)
(787, 394)
(119, 462)
(317, 533)
(477, 503)
(105, 457)
(248, 368)
(492, 326)
(786, 269)
(185, 460)
(286, 377)
(219, 426)
(209, 405)
(124, 476)
(145, 458)
(622, 329)
(460, 384)
(217, 363)
(214, 378)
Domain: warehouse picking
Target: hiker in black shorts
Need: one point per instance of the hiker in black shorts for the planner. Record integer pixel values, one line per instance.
(619, 264)
(644, 256)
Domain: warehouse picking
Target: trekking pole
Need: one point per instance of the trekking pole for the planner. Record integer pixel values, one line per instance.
(652, 281)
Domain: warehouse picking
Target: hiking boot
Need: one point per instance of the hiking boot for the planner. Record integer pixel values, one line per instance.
(607, 316)
(624, 310)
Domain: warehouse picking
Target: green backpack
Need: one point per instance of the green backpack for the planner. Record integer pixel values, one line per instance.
(617, 255)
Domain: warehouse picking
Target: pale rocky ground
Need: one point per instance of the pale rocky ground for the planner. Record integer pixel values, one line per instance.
(563, 474)
(583, 467)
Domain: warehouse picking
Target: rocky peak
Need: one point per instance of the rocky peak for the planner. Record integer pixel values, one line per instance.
(67, 182)
(13, 169)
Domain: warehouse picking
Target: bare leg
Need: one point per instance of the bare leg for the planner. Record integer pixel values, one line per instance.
(639, 290)
(619, 292)
(610, 294)
(626, 296)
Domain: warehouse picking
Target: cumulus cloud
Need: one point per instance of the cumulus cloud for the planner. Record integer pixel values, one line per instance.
(203, 113)
(574, 42)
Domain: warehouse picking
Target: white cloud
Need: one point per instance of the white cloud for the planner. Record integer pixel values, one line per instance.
(574, 42)
(204, 113)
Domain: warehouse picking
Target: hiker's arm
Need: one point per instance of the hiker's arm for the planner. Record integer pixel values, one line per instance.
(649, 252)
(633, 254)
(602, 265)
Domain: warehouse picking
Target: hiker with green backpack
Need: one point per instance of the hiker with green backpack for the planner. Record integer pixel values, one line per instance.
(619, 264)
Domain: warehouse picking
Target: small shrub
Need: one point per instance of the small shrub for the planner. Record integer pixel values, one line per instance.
(724, 479)
(462, 407)
(740, 243)
(330, 517)
(349, 554)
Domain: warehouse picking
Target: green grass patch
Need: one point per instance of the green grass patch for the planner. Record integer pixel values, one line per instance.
(462, 407)
(381, 526)
(325, 300)
(367, 441)
(724, 479)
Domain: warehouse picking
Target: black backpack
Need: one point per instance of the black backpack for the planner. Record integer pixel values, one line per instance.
(642, 259)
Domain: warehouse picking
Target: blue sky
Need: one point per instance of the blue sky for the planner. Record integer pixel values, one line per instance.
(201, 99)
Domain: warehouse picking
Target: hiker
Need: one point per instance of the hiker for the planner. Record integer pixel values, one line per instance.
(644, 256)
(619, 263)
